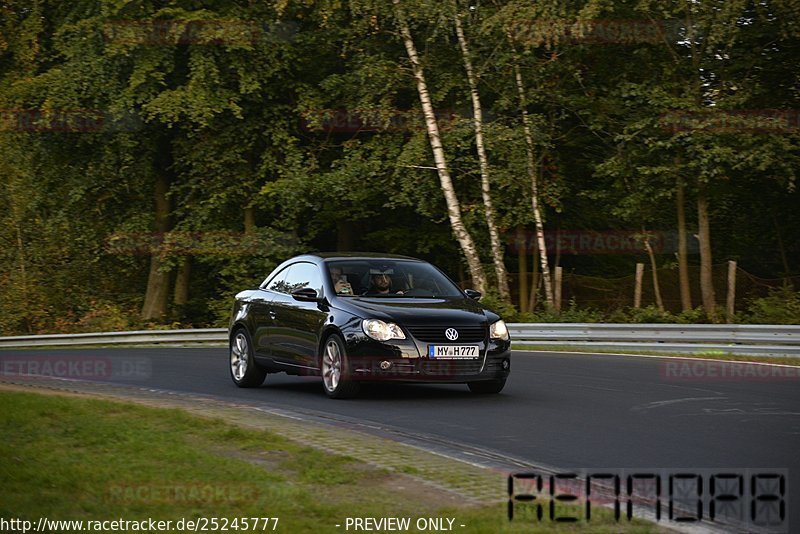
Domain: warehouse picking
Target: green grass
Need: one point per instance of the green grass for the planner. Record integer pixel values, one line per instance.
(703, 355)
(79, 458)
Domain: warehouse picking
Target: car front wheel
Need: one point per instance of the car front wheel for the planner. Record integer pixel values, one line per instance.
(335, 370)
(244, 370)
(487, 386)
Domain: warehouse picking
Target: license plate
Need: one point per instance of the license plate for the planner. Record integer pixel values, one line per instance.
(453, 352)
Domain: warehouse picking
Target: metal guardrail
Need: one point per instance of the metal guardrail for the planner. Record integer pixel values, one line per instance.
(763, 340)
(758, 340)
(781, 340)
(665, 333)
(139, 337)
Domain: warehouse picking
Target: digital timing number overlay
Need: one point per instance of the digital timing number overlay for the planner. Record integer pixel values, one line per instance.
(750, 499)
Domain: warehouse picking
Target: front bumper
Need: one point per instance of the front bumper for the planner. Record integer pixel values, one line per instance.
(406, 360)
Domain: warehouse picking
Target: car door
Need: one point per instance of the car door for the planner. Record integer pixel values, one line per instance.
(262, 320)
(263, 314)
(294, 336)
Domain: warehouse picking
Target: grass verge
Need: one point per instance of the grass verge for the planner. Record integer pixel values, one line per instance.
(77, 458)
(705, 355)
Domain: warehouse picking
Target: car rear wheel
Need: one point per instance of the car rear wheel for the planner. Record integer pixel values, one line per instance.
(244, 370)
(335, 370)
(487, 386)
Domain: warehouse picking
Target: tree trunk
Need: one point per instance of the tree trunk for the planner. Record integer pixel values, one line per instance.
(181, 294)
(534, 178)
(557, 291)
(654, 267)
(704, 238)
(534, 279)
(477, 111)
(731, 300)
(787, 281)
(557, 260)
(453, 207)
(345, 236)
(23, 275)
(155, 299)
(683, 265)
(522, 268)
(249, 220)
(637, 287)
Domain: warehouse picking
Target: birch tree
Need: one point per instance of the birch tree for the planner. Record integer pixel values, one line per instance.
(477, 114)
(533, 175)
(683, 264)
(460, 231)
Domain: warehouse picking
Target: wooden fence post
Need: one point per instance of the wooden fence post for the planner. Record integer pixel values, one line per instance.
(557, 295)
(731, 290)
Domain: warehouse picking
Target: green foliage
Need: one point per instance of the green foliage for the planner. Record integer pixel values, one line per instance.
(235, 124)
(547, 314)
(571, 314)
(651, 314)
(103, 317)
(503, 308)
(782, 306)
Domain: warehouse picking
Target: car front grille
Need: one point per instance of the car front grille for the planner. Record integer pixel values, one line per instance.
(435, 333)
(444, 368)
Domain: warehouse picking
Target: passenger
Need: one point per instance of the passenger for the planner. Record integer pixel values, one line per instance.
(340, 283)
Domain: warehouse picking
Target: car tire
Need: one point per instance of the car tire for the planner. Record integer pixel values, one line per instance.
(245, 372)
(484, 387)
(335, 370)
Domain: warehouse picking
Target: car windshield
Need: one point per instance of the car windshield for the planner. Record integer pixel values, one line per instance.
(389, 278)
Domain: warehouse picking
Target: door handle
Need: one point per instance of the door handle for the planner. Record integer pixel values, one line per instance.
(272, 314)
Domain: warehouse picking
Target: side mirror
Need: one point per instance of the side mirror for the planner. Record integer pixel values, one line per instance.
(471, 293)
(305, 294)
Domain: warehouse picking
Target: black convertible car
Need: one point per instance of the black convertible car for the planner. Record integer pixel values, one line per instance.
(364, 317)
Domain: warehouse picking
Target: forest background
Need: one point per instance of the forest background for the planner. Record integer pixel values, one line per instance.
(156, 157)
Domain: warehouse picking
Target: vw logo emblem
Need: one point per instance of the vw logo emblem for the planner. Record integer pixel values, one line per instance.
(451, 334)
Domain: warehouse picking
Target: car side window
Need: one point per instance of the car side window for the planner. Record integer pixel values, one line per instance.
(278, 283)
(303, 275)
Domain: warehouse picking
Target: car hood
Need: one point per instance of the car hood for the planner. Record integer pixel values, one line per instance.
(457, 310)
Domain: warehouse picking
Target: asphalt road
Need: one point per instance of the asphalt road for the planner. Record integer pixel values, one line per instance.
(588, 412)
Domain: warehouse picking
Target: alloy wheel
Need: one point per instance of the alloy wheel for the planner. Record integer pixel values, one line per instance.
(239, 355)
(331, 365)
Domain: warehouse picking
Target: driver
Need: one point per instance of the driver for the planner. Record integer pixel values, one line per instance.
(380, 281)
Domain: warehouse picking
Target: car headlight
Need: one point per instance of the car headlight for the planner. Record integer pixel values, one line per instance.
(498, 330)
(382, 331)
